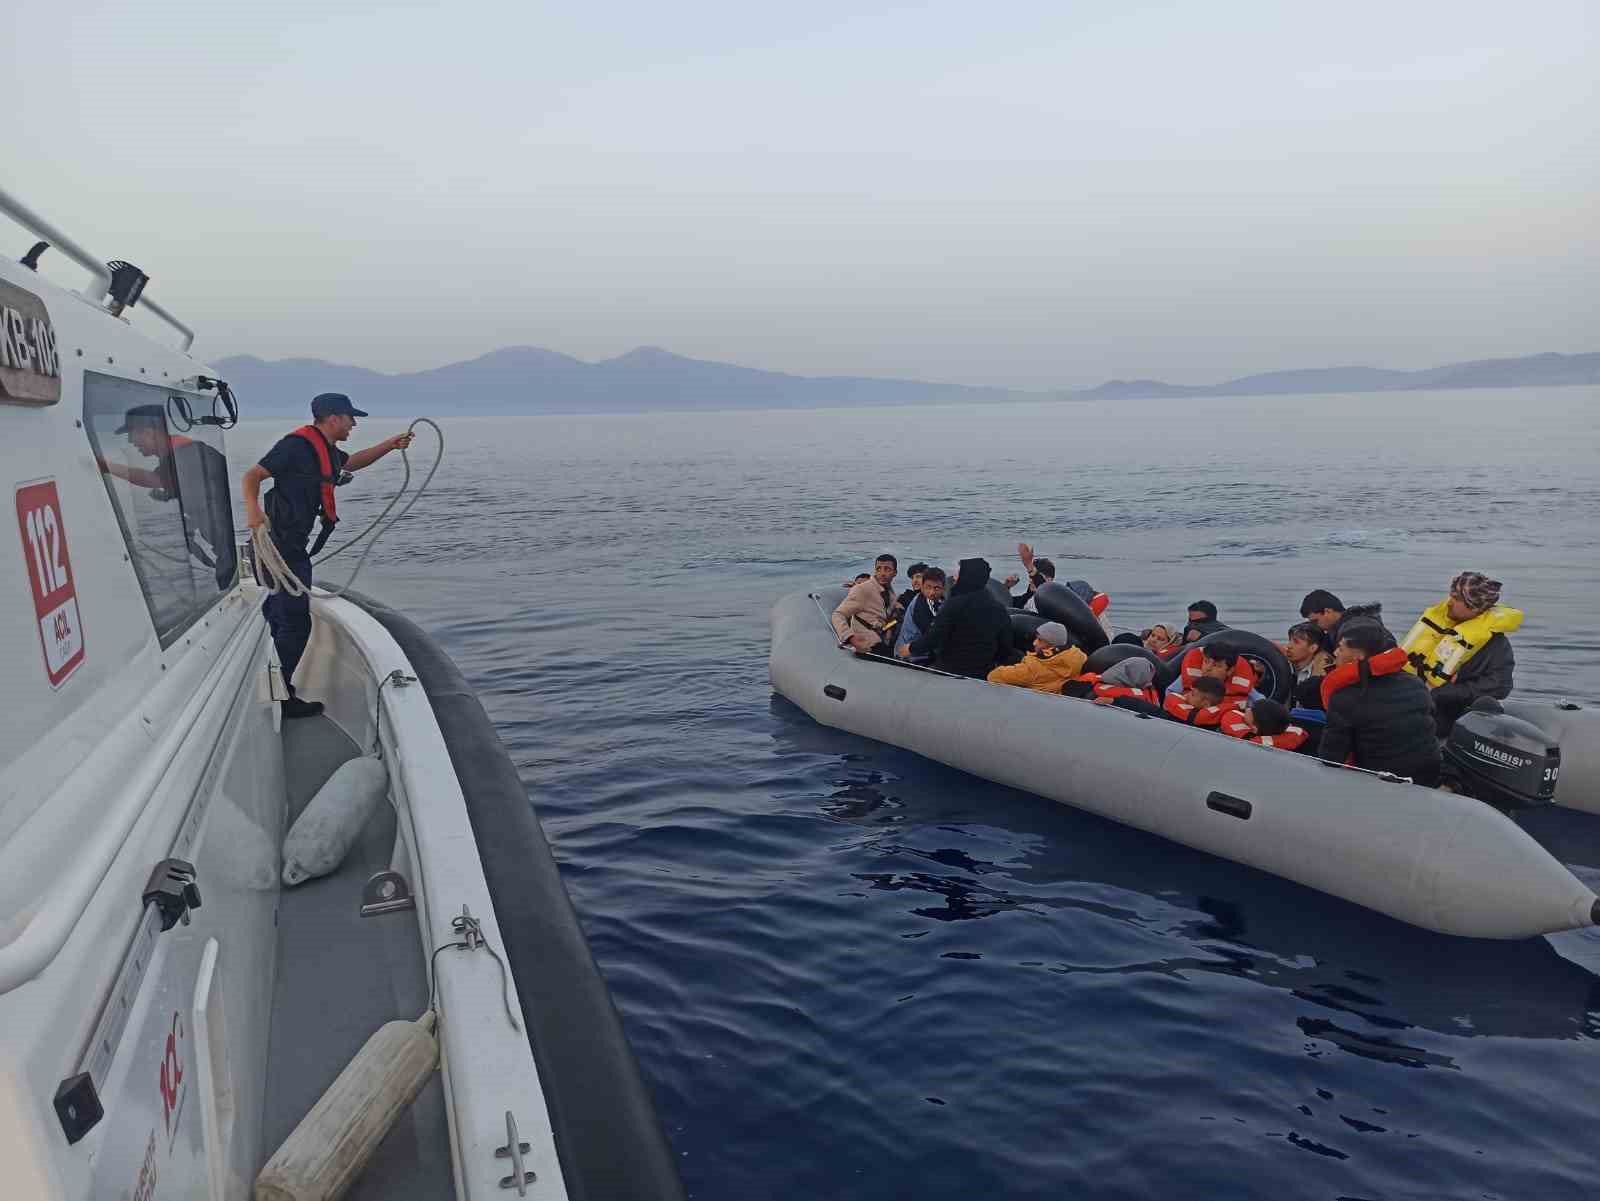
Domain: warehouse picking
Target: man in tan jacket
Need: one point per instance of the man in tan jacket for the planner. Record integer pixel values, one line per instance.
(867, 607)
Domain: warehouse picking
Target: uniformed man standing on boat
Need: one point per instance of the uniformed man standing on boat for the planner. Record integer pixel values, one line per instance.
(305, 466)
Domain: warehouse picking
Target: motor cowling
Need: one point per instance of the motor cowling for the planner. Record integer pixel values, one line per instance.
(1501, 760)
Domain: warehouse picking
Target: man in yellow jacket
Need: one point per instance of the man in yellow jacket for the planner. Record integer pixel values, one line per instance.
(1460, 649)
(1051, 663)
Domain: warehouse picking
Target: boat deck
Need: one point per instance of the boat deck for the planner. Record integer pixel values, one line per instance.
(339, 977)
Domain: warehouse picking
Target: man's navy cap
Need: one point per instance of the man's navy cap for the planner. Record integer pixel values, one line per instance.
(330, 404)
(142, 415)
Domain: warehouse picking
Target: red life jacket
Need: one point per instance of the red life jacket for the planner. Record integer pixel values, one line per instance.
(1241, 677)
(1235, 726)
(329, 508)
(167, 465)
(1208, 718)
(330, 504)
(1384, 663)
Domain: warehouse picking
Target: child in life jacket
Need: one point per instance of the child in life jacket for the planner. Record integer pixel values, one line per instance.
(1201, 704)
(1222, 661)
(1133, 678)
(1265, 723)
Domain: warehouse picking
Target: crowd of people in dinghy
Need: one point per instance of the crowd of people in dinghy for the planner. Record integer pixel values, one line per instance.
(1359, 695)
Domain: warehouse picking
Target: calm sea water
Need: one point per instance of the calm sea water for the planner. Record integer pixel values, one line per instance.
(851, 973)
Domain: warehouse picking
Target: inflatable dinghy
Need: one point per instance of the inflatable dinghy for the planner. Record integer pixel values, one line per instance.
(1435, 859)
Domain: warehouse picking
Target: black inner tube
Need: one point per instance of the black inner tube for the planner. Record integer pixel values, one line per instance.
(1024, 626)
(1057, 602)
(1116, 652)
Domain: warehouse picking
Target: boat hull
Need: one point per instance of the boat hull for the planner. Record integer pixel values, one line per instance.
(1430, 858)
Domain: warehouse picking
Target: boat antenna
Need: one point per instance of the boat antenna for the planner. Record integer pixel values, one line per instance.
(31, 259)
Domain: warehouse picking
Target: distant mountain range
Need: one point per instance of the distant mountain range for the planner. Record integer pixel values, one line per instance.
(1538, 370)
(527, 379)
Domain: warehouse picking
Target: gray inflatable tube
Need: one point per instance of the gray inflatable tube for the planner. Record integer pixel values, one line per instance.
(1434, 859)
(1577, 729)
(608, 1138)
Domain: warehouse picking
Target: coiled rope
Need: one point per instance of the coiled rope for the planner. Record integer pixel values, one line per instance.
(275, 573)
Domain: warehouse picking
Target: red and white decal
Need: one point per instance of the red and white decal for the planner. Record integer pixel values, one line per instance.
(172, 1089)
(55, 594)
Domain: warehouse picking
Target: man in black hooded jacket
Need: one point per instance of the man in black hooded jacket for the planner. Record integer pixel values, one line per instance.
(972, 633)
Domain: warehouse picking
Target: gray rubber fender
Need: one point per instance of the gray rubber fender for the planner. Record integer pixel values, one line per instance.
(1277, 677)
(1057, 602)
(333, 819)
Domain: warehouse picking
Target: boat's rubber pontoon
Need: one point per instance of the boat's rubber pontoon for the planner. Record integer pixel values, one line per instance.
(1434, 859)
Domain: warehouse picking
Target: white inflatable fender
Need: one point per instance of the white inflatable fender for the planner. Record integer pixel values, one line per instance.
(328, 826)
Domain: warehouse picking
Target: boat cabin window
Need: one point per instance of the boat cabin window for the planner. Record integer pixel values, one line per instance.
(171, 493)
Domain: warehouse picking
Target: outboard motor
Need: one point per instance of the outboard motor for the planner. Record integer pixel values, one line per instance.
(1501, 760)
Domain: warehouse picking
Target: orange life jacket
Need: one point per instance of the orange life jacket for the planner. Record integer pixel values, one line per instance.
(1235, 726)
(330, 503)
(1241, 679)
(1115, 690)
(329, 508)
(167, 465)
(1208, 718)
(1384, 663)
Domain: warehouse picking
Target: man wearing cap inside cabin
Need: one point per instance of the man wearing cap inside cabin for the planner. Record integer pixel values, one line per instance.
(305, 466)
(1050, 664)
(1459, 647)
(187, 471)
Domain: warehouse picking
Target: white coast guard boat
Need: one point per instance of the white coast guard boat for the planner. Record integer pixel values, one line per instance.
(170, 1012)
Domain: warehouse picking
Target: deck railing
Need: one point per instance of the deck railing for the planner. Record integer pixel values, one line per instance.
(100, 283)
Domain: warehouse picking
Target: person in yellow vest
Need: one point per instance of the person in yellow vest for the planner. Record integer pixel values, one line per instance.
(1459, 647)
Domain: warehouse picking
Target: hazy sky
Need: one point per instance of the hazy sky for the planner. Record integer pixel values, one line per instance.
(1032, 194)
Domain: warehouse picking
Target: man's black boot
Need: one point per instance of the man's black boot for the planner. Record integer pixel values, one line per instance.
(295, 707)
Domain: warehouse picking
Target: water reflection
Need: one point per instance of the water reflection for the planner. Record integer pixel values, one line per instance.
(963, 898)
(1216, 917)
